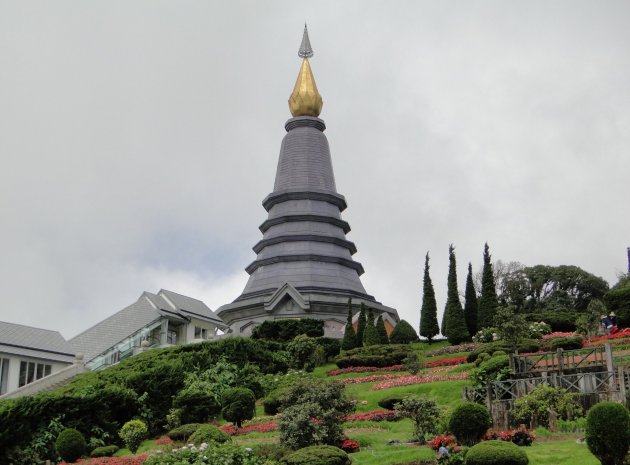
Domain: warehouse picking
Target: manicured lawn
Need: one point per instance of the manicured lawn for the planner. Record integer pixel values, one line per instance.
(560, 452)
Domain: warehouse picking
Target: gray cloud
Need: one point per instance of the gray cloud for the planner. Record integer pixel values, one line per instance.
(139, 139)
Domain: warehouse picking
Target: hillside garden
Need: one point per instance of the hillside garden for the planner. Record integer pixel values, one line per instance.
(298, 400)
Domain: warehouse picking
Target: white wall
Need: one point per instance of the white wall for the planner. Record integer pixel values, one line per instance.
(190, 330)
(14, 367)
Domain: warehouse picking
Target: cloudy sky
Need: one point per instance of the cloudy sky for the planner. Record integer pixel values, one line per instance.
(138, 139)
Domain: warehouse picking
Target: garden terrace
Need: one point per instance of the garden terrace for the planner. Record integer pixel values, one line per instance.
(562, 361)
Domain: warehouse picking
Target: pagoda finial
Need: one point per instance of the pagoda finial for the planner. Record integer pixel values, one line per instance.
(305, 47)
(305, 99)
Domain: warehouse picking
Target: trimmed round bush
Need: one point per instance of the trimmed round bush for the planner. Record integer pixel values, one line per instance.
(608, 432)
(239, 404)
(389, 401)
(209, 433)
(104, 451)
(469, 422)
(196, 405)
(273, 402)
(133, 433)
(70, 445)
(318, 455)
(496, 453)
(403, 333)
(183, 432)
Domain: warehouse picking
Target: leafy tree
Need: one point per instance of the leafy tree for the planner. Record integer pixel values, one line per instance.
(428, 314)
(538, 403)
(133, 433)
(423, 413)
(313, 412)
(587, 323)
(403, 333)
(488, 302)
(361, 325)
(382, 332)
(303, 352)
(470, 303)
(286, 330)
(370, 336)
(511, 327)
(239, 404)
(456, 330)
(617, 299)
(349, 336)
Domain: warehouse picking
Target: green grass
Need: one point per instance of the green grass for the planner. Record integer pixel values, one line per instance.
(560, 452)
(147, 445)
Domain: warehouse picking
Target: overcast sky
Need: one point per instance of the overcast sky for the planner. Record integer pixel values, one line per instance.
(138, 139)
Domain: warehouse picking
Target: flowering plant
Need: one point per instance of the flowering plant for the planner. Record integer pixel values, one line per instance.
(468, 347)
(368, 379)
(163, 441)
(557, 334)
(485, 335)
(341, 371)
(349, 446)
(443, 440)
(418, 379)
(539, 329)
(445, 362)
(374, 415)
(128, 460)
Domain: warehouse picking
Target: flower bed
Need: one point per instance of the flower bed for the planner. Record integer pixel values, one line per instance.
(442, 362)
(349, 446)
(612, 338)
(163, 441)
(418, 379)
(368, 379)
(558, 334)
(518, 437)
(128, 460)
(259, 428)
(341, 371)
(374, 415)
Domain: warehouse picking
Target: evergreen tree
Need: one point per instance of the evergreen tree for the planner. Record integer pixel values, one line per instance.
(361, 326)
(403, 333)
(349, 336)
(456, 330)
(470, 303)
(428, 314)
(370, 336)
(488, 302)
(380, 329)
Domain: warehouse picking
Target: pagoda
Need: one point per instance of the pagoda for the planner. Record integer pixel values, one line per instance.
(304, 266)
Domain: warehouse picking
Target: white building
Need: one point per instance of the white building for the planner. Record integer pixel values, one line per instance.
(28, 354)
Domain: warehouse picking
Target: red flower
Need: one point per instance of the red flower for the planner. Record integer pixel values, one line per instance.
(163, 441)
(374, 415)
(445, 362)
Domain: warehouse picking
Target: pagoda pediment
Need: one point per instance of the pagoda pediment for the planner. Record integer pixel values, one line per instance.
(287, 297)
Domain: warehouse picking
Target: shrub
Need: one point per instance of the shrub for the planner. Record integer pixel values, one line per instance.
(272, 403)
(389, 401)
(287, 330)
(70, 445)
(239, 404)
(491, 369)
(196, 405)
(469, 422)
(209, 433)
(374, 356)
(133, 433)
(542, 399)
(183, 432)
(608, 432)
(302, 351)
(566, 343)
(525, 345)
(403, 333)
(104, 451)
(271, 452)
(313, 413)
(485, 335)
(422, 412)
(496, 453)
(318, 455)
(481, 357)
(331, 346)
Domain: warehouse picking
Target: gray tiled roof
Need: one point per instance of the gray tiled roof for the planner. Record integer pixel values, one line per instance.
(34, 342)
(148, 308)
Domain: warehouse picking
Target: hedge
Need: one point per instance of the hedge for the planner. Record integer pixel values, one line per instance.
(317, 455)
(496, 453)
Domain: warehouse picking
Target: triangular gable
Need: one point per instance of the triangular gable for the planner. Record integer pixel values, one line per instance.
(286, 290)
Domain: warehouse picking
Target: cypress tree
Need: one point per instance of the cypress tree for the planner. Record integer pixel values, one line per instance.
(470, 303)
(488, 301)
(456, 330)
(349, 336)
(428, 314)
(403, 333)
(380, 329)
(370, 336)
(361, 326)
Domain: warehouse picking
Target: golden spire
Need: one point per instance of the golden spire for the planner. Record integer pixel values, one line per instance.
(305, 99)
